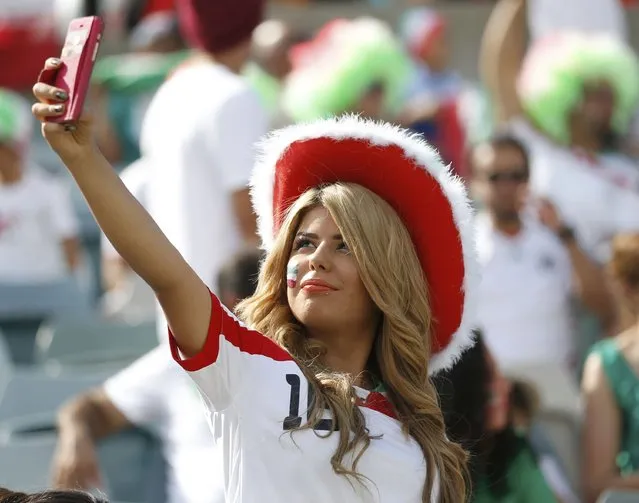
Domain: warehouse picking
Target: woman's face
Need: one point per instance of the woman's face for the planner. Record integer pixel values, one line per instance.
(324, 288)
(498, 407)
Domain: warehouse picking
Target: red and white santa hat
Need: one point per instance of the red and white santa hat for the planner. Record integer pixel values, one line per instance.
(405, 171)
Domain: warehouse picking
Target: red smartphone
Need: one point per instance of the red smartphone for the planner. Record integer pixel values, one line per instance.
(78, 57)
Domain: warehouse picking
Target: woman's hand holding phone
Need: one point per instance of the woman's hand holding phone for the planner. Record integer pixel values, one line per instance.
(71, 141)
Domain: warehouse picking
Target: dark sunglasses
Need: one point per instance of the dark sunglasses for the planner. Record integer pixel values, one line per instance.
(508, 176)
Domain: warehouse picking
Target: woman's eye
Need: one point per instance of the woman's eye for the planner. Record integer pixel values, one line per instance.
(302, 243)
(343, 247)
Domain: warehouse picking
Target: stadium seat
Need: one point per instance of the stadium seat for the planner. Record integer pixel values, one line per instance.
(25, 463)
(24, 307)
(70, 341)
(131, 463)
(31, 393)
(6, 365)
(619, 497)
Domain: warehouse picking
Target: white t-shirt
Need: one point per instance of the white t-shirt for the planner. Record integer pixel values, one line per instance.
(524, 300)
(548, 16)
(596, 198)
(155, 393)
(256, 393)
(199, 135)
(36, 215)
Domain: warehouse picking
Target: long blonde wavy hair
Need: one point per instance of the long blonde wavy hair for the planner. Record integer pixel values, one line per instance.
(391, 272)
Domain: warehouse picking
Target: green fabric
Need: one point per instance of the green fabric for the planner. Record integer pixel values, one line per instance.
(359, 55)
(525, 480)
(625, 386)
(13, 117)
(120, 110)
(266, 86)
(136, 73)
(555, 71)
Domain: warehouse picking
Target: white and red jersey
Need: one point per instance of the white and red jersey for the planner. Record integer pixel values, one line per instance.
(257, 395)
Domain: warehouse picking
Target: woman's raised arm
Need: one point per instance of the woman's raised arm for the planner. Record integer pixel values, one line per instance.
(184, 297)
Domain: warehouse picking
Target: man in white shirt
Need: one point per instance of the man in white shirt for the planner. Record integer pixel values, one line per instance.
(156, 394)
(199, 134)
(38, 227)
(570, 101)
(532, 263)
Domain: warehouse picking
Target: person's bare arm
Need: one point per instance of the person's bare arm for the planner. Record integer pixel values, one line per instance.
(589, 281)
(502, 50)
(71, 249)
(245, 216)
(591, 286)
(81, 423)
(183, 296)
(601, 435)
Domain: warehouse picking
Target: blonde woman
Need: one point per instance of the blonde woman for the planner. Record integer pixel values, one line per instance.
(364, 291)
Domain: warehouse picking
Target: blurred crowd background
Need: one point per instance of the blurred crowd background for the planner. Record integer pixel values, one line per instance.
(533, 102)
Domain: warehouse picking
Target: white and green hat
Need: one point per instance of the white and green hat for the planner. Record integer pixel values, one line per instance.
(15, 118)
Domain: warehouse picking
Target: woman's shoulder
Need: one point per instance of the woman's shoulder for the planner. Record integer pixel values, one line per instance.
(606, 348)
(612, 349)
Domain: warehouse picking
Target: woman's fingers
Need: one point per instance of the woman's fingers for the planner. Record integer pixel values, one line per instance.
(42, 111)
(52, 64)
(45, 92)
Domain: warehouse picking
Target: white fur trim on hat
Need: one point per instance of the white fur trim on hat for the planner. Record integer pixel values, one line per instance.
(271, 149)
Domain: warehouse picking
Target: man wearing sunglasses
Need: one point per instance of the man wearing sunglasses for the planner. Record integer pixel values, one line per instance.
(533, 263)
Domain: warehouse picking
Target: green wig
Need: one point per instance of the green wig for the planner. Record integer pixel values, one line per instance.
(334, 71)
(556, 68)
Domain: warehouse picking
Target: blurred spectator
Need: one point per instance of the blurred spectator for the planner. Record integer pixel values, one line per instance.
(270, 63)
(153, 393)
(433, 82)
(475, 401)
(199, 133)
(450, 113)
(156, 33)
(532, 264)
(546, 17)
(524, 404)
(349, 66)
(7, 496)
(38, 228)
(124, 84)
(127, 297)
(572, 107)
(120, 17)
(610, 388)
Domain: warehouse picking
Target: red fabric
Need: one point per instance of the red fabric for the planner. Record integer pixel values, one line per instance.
(154, 6)
(218, 25)
(378, 402)
(24, 46)
(451, 137)
(246, 340)
(422, 49)
(414, 194)
(305, 52)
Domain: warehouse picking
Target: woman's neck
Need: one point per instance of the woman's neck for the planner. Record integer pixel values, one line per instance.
(348, 352)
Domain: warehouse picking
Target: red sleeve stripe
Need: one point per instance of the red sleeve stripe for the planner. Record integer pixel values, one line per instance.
(224, 323)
